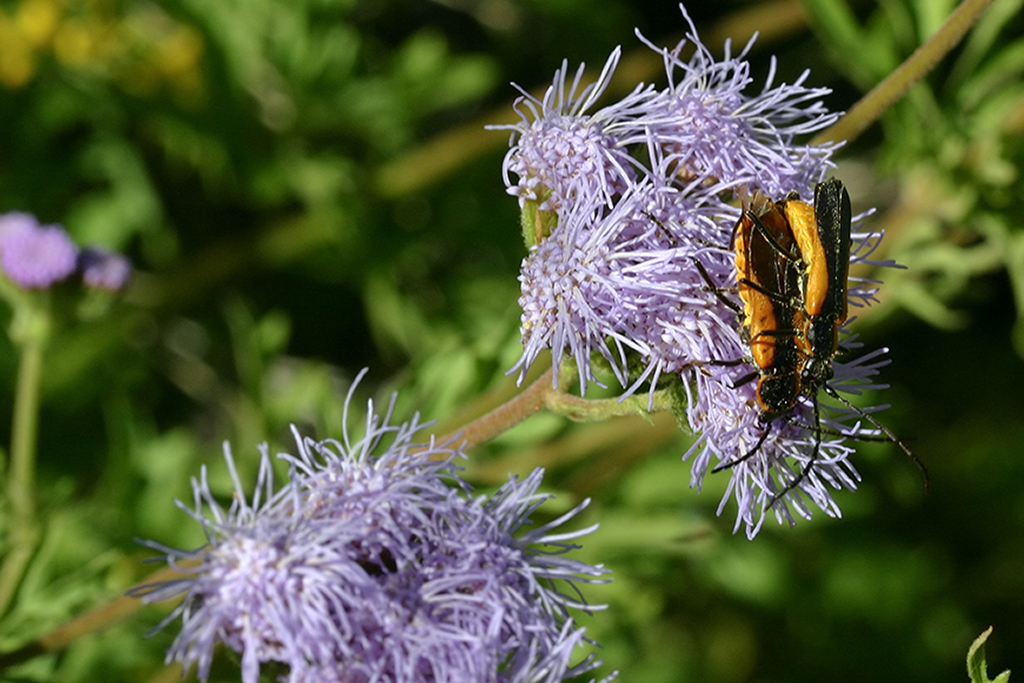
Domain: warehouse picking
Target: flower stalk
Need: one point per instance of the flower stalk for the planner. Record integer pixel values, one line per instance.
(30, 332)
(34, 259)
(541, 395)
(871, 107)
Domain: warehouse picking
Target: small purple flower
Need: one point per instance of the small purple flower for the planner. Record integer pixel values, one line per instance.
(563, 154)
(625, 283)
(102, 269)
(570, 296)
(711, 128)
(372, 563)
(16, 222)
(34, 256)
(792, 463)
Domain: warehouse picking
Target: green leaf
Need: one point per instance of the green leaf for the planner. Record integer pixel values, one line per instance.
(977, 668)
(841, 34)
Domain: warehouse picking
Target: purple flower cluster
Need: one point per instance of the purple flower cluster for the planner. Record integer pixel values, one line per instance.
(377, 566)
(102, 269)
(622, 203)
(35, 256)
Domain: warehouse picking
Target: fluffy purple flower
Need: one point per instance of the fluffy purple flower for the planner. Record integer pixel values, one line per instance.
(102, 269)
(711, 127)
(667, 314)
(372, 563)
(571, 298)
(563, 154)
(622, 283)
(638, 267)
(793, 463)
(607, 278)
(16, 222)
(34, 256)
(690, 332)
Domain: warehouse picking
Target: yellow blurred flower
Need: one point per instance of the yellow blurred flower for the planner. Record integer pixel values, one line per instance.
(78, 42)
(37, 20)
(17, 58)
(179, 52)
(140, 47)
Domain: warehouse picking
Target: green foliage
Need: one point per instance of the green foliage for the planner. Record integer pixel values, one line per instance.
(955, 143)
(977, 668)
(234, 148)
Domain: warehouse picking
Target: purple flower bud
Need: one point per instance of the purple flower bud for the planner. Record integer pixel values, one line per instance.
(34, 256)
(14, 222)
(102, 269)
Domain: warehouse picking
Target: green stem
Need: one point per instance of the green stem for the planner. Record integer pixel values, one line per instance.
(871, 107)
(25, 431)
(593, 410)
(540, 395)
(505, 416)
(30, 331)
(93, 621)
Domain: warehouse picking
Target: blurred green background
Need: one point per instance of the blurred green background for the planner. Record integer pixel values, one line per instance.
(306, 189)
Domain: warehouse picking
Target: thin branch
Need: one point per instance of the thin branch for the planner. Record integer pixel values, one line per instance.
(95, 620)
(871, 107)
